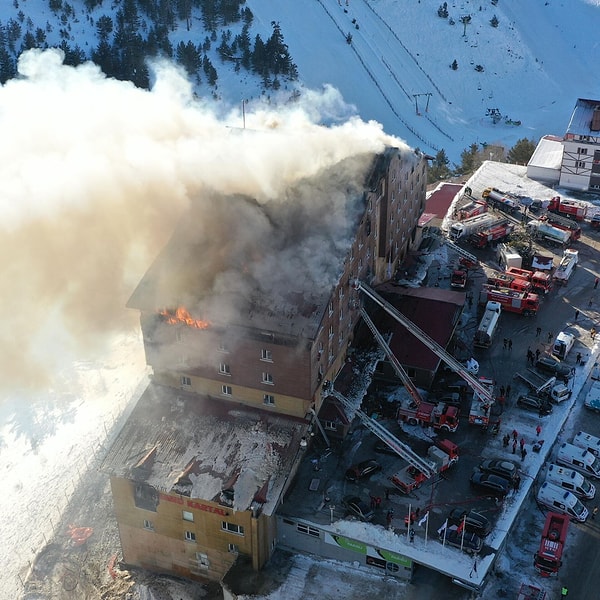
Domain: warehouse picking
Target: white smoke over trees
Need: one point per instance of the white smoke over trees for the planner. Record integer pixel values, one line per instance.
(96, 173)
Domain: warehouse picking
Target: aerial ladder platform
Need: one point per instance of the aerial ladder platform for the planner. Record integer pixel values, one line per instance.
(423, 465)
(484, 391)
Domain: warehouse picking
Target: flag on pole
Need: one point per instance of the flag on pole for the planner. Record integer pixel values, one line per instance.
(443, 527)
(424, 519)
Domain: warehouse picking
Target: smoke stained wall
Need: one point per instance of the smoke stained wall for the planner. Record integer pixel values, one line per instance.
(95, 175)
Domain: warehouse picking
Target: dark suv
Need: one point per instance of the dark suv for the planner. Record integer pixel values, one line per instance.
(547, 364)
(542, 406)
(474, 522)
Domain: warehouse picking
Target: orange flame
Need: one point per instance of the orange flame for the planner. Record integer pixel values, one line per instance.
(181, 315)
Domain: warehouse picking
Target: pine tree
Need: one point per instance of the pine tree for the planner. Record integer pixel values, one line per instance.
(454, 65)
(521, 152)
(494, 21)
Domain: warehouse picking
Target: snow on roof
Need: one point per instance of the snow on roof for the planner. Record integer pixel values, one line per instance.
(548, 154)
(581, 119)
(198, 447)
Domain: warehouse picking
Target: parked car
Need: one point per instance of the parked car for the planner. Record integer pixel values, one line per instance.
(382, 448)
(499, 466)
(469, 542)
(453, 386)
(362, 470)
(357, 507)
(490, 484)
(474, 521)
(451, 398)
(547, 364)
(540, 405)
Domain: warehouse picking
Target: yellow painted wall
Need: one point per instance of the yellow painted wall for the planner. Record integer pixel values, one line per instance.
(165, 549)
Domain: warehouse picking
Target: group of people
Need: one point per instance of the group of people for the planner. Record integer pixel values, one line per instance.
(515, 436)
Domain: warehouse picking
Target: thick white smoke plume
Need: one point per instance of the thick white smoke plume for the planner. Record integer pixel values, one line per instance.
(95, 174)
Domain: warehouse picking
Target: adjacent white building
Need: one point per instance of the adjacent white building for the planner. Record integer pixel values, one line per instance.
(572, 162)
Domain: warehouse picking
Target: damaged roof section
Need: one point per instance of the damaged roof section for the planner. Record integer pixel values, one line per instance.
(201, 448)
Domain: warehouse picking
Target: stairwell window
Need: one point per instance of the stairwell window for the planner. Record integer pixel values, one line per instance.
(224, 369)
(232, 528)
(202, 560)
(190, 536)
(267, 378)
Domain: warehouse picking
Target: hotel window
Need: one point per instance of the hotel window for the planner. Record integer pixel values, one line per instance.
(232, 528)
(330, 331)
(149, 525)
(186, 381)
(233, 548)
(269, 399)
(582, 150)
(266, 355)
(341, 314)
(190, 536)
(331, 425)
(330, 308)
(186, 515)
(202, 560)
(226, 390)
(580, 164)
(224, 369)
(267, 378)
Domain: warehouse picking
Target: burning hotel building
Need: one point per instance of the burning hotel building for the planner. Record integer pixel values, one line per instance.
(245, 313)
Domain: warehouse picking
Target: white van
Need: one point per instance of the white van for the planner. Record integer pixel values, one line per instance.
(580, 459)
(563, 344)
(571, 480)
(561, 501)
(588, 442)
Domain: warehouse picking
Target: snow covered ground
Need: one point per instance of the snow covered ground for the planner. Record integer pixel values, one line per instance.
(95, 174)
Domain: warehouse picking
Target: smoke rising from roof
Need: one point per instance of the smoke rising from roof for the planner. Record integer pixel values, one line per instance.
(95, 175)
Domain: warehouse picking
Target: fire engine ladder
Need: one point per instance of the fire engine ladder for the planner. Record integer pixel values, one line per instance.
(560, 220)
(470, 257)
(398, 368)
(483, 391)
(423, 465)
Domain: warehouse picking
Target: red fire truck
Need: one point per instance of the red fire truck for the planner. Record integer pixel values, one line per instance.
(540, 281)
(548, 559)
(510, 281)
(438, 415)
(441, 456)
(572, 209)
(522, 303)
(563, 223)
(496, 232)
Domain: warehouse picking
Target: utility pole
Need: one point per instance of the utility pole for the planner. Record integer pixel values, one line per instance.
(244, 112)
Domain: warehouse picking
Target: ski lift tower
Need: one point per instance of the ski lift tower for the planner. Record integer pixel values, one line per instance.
(416, 97)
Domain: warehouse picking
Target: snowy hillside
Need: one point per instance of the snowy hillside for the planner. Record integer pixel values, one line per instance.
(390, 59)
